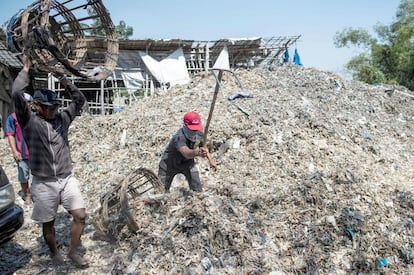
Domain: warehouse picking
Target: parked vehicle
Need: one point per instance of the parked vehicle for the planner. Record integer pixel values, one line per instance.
(11, 215)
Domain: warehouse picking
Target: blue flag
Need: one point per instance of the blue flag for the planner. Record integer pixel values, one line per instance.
(286, 57)
(296, 58)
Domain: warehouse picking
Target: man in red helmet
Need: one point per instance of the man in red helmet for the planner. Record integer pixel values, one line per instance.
(181, 151)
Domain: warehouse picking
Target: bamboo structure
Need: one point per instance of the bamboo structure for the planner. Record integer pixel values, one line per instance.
(53, 34)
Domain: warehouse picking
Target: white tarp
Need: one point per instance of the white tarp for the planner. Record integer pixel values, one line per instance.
(132, 80)
(222, 62)
(175, 69)
(172, 69)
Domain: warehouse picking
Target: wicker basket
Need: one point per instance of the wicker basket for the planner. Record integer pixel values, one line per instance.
(56, 34)
(115, 211)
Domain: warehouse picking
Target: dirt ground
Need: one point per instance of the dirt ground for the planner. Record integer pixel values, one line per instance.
(315, 176)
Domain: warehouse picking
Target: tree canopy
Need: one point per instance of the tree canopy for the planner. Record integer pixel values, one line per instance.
(122, 29)
(388, 56)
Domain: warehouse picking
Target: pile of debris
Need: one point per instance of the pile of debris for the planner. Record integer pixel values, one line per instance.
(315, 175)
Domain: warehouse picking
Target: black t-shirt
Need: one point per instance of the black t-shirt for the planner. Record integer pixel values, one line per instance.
(172, 158)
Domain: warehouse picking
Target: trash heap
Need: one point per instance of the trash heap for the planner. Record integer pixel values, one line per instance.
(315, 175)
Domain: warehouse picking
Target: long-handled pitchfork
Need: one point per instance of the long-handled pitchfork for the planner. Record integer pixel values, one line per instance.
(210, 114)
(213, 103)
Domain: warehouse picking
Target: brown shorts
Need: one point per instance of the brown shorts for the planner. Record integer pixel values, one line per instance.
(48, 193)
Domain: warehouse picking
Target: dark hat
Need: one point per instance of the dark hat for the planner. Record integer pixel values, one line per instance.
(46, 97)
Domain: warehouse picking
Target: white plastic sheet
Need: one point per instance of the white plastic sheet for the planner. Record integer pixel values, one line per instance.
(172, 69)
(222, 62)
(132, 80)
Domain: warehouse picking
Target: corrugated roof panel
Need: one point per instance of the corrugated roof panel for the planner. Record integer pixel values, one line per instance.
(8, 58)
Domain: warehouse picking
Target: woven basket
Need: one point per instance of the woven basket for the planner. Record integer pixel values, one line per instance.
(56, 35)
(115, 211)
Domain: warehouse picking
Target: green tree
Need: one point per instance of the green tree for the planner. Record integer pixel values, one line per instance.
(389, 55)
(122, 30)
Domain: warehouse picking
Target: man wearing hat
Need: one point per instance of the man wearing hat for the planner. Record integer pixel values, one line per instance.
(181, 151)
(46, 134)
(18, 146)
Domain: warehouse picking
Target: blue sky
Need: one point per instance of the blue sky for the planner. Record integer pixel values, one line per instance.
(316, 21)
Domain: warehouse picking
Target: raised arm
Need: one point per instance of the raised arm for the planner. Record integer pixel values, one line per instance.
(78, 98)
(20, 85)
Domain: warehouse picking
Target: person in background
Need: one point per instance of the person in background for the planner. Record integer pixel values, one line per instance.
(181, 151)
(53, 182)
(18, 146)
